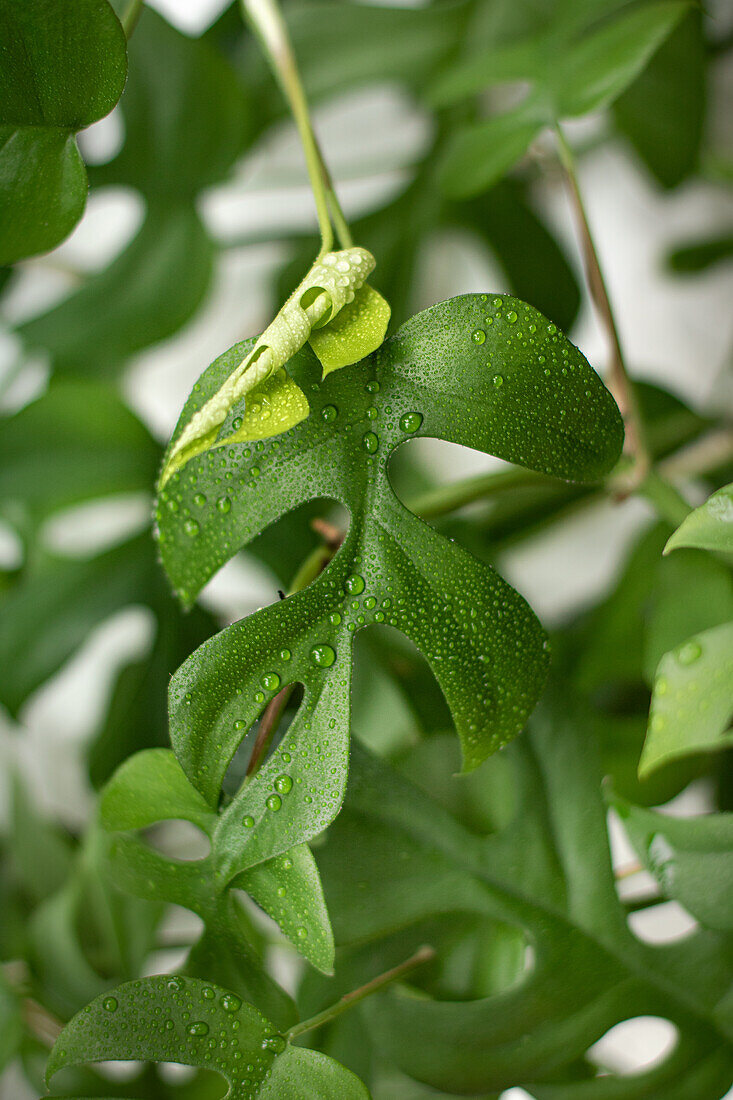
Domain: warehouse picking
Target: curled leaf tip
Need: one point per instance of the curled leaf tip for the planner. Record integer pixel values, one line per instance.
(273, 402)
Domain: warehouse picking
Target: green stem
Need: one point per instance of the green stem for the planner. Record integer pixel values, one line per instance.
(269, 26)
(620, 381)
(447, 498)
(668, 502)
(423, 955)
(130, 16)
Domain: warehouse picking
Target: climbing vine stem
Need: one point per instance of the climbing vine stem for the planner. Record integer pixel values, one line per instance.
(620, 382)
(268, 24)
(422, 955)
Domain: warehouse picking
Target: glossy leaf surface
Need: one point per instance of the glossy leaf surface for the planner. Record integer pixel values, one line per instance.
(709, 527)
(491, 374)
(63, 67)
(201, 1025)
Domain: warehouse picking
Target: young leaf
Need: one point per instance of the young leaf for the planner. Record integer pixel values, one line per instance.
(202, 1025)
(63, 68)
(492, 374)
(692, 701)
(709, 527)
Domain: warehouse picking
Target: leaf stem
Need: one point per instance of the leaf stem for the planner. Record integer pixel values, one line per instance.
(422, 955)
(269, 26)
(620, 382)
(447, 498)
(130, 16)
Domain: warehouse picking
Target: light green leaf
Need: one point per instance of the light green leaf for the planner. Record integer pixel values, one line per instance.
(150, 787)
(692, 701)
(356, 331)
(63, 68)
(691, 859)
(709, 527)
(201, 1025)
(482, 152)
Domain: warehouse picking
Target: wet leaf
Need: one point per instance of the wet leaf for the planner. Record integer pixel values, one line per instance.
(201, 1025)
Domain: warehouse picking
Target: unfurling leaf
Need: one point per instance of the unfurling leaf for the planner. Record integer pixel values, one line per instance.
(330, 285)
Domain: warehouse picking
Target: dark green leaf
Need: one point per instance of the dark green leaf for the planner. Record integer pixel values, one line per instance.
(77, 442)
(204, 1026)
(489, 374)
(186, 118)
(63, 67)
(663, 112)
(145, 295)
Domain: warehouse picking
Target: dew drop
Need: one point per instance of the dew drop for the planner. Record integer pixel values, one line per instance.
(511, 316)
(323, 656)
(411, 421)
(285, 654)
(230, 1002)
(199, 1028)
(274, 802)
(110, 1004)
(354, 584)
(372, 387)
(271, 681)
(224, 504)
(248, 822)
(283, 784)
(275, 1043)
(370, 442)
(498, 380)
(191, 528)
(199, 499)
(329, 412)
(478, 336)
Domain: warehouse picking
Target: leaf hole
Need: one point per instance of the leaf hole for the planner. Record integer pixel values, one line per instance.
(237, 770)
(661, 924)
(178, 839)
(634, 1046)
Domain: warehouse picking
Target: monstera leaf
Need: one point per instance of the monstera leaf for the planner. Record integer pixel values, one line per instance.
(575, 65)
(492, 374)
(150, 787)
(541, 872)
(63, 68)
(201, 1025)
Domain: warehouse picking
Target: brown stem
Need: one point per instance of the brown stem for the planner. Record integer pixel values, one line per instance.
(422, 955)
(620, 383)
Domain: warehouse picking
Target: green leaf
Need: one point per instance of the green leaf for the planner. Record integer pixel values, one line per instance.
(77, 442)
(150, 787)
(146, 294)
(663, 112)
(709, 527)
(691, 859)
(11, 1023)
(206, 1026)
(482, 152)
(186, 118)
(355, 332)
(571, 69)
(692, 701)
(63, 68)
(45, 622)
(546, 872)
(489, 374)
(41, 852)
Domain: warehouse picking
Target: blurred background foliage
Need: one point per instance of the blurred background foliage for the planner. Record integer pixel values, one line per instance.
(436, 118)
